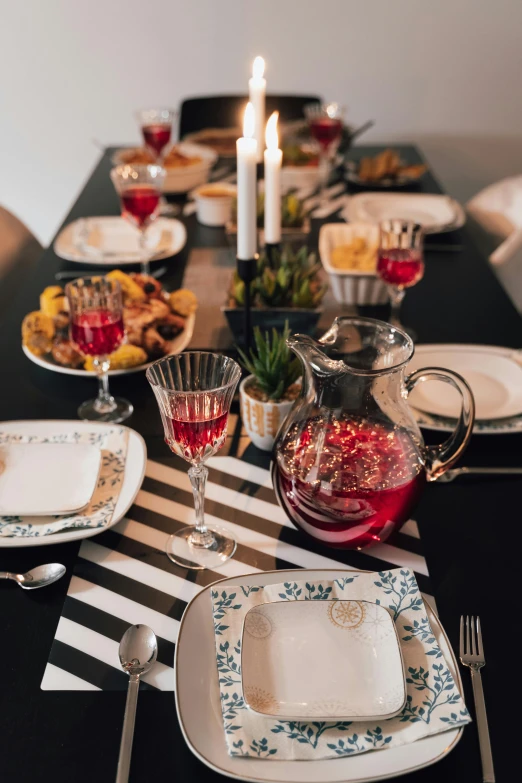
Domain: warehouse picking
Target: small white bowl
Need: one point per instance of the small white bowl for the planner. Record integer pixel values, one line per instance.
(214, 203)
(351, 286)
(183, 178)
(323, 661)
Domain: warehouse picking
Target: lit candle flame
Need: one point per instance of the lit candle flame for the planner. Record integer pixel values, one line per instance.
(271, 135)
(249, 122)
(258, 68)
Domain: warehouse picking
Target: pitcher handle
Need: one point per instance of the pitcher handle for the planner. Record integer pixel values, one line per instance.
(439, 458)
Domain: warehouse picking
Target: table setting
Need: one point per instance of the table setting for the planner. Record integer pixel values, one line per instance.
(260, 520)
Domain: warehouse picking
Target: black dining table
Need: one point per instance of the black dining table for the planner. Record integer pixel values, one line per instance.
(468, 527)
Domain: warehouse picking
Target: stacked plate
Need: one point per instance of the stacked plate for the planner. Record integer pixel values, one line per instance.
(435, 213)
(494, 375)
(61, 462)
(297, 662)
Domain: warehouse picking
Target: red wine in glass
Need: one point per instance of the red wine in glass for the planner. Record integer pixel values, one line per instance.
(400, 267)
(97, 332)
(195, 437)
(358, 489)
(139, 203)
(326, 131)
(157, 136)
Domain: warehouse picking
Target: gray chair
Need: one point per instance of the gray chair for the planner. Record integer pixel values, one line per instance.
(19, 252)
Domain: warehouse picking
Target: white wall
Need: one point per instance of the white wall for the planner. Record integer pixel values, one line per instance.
(444, 73)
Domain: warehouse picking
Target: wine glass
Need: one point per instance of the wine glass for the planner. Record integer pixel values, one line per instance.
(156, 127)
(326, 126)
(400, 262)
(96, 328)
(139, 188)
(194, 391)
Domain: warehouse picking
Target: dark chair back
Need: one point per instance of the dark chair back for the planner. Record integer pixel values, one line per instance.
(226, 111)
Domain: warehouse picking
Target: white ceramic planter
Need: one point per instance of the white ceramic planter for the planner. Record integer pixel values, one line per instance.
(261, 420)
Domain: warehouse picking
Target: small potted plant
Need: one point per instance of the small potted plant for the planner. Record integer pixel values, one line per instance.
(290, 290)
(268, 393)
(295, 220)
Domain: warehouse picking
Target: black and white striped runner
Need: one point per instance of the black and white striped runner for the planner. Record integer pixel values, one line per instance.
(123, 577)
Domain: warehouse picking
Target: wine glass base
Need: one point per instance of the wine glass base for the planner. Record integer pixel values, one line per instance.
(90, 412)
(183, 553)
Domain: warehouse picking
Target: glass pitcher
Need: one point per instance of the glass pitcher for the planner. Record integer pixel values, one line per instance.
(350, 462)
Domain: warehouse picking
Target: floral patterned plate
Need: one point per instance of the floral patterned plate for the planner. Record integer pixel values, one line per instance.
(283, 642)
(134, 470)
(200, 717)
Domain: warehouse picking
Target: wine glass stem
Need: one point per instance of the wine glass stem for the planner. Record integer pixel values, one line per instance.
(104, 402)
(396, 296)
(201, 537)
(324, 173)
(145, 257)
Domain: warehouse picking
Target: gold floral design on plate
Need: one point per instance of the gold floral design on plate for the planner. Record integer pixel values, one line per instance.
(346, 614)
(258, 625)
(260, 700)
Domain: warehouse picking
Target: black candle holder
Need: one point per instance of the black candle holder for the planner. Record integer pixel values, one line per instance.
(272, 252)
(247, 270)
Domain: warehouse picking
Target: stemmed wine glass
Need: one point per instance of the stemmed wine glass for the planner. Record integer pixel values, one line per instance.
(400, 262)
(96, 328)
(326, 126)
(194, 391)
(156, 127)
(139, 188)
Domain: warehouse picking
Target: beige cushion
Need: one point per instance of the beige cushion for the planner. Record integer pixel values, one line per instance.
(19, 251)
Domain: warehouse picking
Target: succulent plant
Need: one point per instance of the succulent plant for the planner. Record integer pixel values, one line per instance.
(272, 363)
(293, 212)
(292, 281)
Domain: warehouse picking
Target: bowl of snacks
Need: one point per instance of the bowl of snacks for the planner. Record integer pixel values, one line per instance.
(300, 167)
(348, 254)
(385, 170)
(214, 203)
(187, 165)
(157, 323)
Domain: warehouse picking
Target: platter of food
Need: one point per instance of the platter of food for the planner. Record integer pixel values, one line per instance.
(157, 323)
(186, 165)
(221, 140)
(385, 170)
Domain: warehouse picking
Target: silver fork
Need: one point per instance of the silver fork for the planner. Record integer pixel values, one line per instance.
(472, 655)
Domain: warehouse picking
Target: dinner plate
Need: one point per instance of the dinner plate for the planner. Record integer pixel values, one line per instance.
(112, 241)
(62, 476)
(435, 213)
(493, 373)
(364, 679)
(177, 345)
(428, 421)
(134, 471)
(199, 710)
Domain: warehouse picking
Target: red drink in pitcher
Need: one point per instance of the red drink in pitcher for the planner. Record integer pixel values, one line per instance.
(352, 487)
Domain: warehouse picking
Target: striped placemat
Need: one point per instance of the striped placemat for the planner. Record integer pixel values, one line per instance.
(123, 576)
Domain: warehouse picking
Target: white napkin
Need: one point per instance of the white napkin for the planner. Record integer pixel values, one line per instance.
(116, 237)
(498, 208)
(113, 445)
(433, 705)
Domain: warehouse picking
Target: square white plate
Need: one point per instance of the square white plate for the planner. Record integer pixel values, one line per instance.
(45, 479)
(434, 212)
(199, 708)
(494, 375)
(134, 472)
(283, 642)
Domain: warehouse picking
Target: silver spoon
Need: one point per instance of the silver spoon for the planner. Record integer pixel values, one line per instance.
(451, 475)
(138, 652)
(41, 576)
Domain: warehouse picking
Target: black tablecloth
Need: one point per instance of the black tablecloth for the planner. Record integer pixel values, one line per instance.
(469, 531)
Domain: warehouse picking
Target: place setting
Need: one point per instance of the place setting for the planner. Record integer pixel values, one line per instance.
(255, 530)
